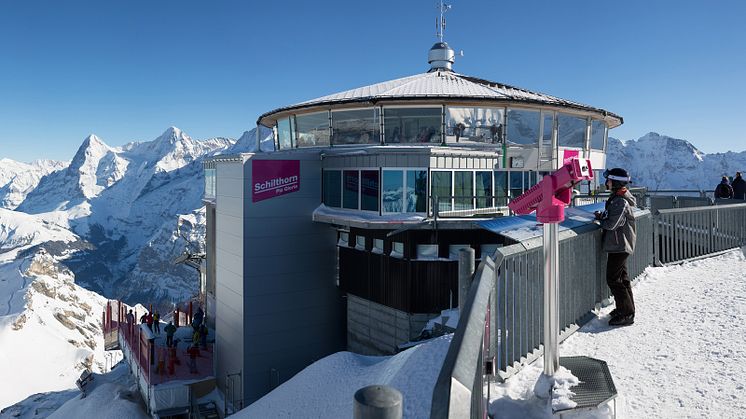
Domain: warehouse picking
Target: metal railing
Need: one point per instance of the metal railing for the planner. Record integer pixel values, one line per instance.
(510, 289)
(467, 206)
(687, 233)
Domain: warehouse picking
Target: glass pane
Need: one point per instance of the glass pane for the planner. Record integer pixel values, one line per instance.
(442, 188)
(361, 126)
(463, 189)
(570, 131)
(523, 127)
(546, 137)
(484, 189)
(483, 125)
(516, 184)
(351, 189)
(369, 190)
(501, 188)
(392, 194)
(412, 125)
(416, 190)
(333, 188)
(210, 183)
(313, 129)
(598, 131)
(283, 134)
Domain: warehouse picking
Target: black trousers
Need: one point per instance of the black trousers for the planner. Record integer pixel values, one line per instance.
(618, 281)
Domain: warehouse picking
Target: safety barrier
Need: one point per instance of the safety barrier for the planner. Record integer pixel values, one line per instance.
(511, 288)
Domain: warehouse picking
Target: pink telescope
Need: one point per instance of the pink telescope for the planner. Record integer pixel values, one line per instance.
(550, 196)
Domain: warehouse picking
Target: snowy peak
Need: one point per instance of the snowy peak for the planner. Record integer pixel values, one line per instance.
(18, 179)
(658, 161)
(248, 142)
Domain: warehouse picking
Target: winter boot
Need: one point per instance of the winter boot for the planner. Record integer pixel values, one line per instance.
(622, 320)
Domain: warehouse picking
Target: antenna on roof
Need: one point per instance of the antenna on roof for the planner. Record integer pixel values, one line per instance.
(440, 23)
(441, 56)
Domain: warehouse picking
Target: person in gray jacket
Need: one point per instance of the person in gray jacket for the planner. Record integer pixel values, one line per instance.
(619, 237)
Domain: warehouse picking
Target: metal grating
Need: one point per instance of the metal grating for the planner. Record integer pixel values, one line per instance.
(596, 385)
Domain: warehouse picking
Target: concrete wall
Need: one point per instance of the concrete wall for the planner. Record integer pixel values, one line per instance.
(376, 329)
(229, 282)
(293, 310)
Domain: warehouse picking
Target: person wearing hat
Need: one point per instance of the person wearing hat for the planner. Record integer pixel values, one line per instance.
(619, 237)
(724, 190)
(739, 187)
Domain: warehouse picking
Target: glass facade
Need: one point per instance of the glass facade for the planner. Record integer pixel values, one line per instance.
(361, 126)
(412, 125)
(523, 127)
(392, 194)
(210, 184)
(571, 131)
(332, 188)
(350, 189)
(285, 134)
(483, 189)
(516, 184)
(416, 196)
(598, 133)
(474, 124)
(313, 129)
(501, 188)
(369, 190)
(441, 187)
(463, 190)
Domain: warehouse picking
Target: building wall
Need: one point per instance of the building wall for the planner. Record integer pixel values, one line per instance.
(229, 283)
(293, 311)
(210, 265)
(376, 329)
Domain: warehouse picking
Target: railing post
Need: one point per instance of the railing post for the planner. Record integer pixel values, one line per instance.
(465, 275)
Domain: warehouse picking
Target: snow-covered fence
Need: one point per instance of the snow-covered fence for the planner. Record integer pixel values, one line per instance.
(686, 233)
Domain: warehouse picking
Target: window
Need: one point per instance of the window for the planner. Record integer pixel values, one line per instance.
(483, 125)
(516, 184)
(361, 126)
(369, 190)
(571, 131)
(484, 189)
(313, 129)
(416, 190)
(285, 134)
(501, 188)
(333, 188)
(351, 190)
(463, 190)
(412, 125)
(442, 189)
(392, 197)
(546, 136)
(598, 133)
(523, 127)
(210, 184)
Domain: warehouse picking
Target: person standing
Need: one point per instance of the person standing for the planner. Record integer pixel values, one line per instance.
(619, 237)
(739, 187)
(724, 190)
(157, 322)
(170, 329)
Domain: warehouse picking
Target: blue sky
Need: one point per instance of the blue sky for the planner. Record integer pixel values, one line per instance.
(126, 71)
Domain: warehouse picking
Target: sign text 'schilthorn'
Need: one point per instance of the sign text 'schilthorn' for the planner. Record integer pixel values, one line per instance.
(271, 178)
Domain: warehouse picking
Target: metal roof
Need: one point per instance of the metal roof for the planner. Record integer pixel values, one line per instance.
(440, 85)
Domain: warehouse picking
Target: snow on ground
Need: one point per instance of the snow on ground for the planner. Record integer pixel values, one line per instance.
(683, 357)
(326, 388)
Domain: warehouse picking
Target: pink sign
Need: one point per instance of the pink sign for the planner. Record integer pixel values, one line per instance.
(568, 154)
(271, 178)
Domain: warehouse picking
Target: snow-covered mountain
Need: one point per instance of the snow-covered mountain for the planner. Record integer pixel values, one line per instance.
(18, 179)
(48, 324)
(138, 206)
(659, 162)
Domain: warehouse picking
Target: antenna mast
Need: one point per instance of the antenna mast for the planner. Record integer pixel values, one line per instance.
(440, 22)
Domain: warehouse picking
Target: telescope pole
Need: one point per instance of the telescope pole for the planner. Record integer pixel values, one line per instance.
(551, 299)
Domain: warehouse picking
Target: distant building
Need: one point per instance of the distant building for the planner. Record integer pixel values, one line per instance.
(346, 237)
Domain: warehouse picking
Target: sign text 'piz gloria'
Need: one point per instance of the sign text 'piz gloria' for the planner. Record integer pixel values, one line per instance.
(271, 178)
